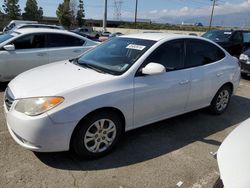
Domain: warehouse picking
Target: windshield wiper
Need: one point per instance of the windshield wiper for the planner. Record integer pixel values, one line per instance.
(91, 67)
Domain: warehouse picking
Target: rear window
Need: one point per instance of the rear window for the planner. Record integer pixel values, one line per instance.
(61, 40)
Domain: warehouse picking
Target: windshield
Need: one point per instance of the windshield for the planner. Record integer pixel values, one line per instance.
(5, 37)
(218, 35)
(117, 55)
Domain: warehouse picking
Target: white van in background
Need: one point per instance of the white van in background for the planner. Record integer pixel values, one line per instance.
(15, 23)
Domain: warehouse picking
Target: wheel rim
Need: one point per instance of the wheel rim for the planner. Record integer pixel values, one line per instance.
(222, 100)
(100, 135)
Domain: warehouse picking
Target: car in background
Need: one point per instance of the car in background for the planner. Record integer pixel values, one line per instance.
(15, 23)
(89, 31)
(234, 41)
(116, 34)
(245, 63)
(35, 25)
(130, 81)
(24, 49)
(233, 157)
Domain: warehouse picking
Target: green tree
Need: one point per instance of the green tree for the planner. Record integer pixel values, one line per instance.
(64, 14)
(80, 14)
(12, 9)
(32, 12)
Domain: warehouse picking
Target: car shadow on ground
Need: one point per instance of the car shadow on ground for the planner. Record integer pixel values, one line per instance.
(3, 86)
(157, 139)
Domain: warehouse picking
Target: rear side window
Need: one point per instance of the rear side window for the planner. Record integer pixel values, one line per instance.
(201, 52)
(246, 37)
(61, 40)
(170, 55)
(30, 41)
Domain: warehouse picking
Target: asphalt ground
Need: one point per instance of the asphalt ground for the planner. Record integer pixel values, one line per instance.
(165, 154)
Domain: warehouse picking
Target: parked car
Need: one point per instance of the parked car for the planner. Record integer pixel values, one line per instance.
(35, 25)
(88, 31)
(125, 83)
(233, 157)
(234, 41)
(24, 49)
(245, 63)
(15, 23)
(116, 34)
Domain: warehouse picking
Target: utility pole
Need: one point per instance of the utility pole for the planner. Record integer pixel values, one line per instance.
(212, 14)
(136, 4)
(105, 15)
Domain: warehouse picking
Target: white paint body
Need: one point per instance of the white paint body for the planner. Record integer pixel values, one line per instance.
(15, 62)
(233, 157)
(141, 99)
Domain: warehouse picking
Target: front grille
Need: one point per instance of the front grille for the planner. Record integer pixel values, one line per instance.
(8, 99)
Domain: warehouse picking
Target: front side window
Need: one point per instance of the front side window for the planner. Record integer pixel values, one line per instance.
(170, 55)
(30, 41)
(201, 52)
(61, 40)
(117, 55)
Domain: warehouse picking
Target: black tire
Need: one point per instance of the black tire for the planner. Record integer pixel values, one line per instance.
(214, 107)
(78, 142)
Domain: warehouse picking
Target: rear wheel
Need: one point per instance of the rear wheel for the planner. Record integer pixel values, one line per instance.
(221, 100)
(97, 135)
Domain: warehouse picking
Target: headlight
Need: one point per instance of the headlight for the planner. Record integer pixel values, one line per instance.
(244, 57)
(37, 106)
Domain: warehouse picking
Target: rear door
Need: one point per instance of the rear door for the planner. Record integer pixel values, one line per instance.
(208, 71)
(29, 52)
(63, 47)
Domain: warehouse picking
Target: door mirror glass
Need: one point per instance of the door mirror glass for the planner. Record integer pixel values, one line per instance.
(153, 68)
(9, 47)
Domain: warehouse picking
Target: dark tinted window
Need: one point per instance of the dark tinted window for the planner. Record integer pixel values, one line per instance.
(170, 55)
(30, 41)
(202, 52)
(60, 40)
(237, 37)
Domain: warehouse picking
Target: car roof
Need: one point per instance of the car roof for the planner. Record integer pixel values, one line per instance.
(157, 36)
(42, 30)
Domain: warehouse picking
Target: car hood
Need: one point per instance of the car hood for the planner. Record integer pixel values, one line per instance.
(233, 157)
(54, 79)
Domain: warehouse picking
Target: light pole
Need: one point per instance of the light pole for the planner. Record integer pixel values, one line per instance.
(212, 14)
(105, 15)
(136, 4)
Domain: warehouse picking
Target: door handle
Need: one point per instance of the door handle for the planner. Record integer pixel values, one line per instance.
(76, 51)
(219, 74)
(42, 54)
(183, 82)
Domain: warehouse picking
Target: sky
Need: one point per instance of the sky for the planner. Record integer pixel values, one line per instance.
(154, 10)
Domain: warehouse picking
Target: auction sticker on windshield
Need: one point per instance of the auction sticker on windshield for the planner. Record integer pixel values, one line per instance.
(136, 47)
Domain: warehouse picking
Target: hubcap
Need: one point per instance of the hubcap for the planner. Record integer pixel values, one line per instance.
(100, 135)
(222, 100)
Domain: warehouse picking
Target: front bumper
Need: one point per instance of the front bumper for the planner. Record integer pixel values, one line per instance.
(245, 68)
(39, 133)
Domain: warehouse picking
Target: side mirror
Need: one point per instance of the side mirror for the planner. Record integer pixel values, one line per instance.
(153, 68)
(9, 47)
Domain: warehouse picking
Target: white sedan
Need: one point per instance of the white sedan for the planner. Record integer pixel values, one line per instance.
(24, 49)
(125, 83)
(233, 157)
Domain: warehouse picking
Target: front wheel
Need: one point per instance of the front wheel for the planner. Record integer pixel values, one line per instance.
(97, 135)
(221, 100)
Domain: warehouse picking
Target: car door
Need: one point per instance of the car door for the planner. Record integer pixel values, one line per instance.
(62, 47)
(29, 52)
(205, 61)
(160, 96)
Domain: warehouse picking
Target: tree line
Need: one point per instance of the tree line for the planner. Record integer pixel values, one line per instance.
(69, 12)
